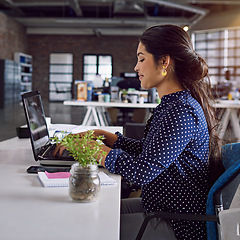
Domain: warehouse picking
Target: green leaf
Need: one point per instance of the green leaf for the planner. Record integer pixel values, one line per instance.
(80, 149)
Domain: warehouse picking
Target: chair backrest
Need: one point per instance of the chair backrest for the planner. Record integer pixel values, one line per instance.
(230, 224)
(134, 130)
(223, 190)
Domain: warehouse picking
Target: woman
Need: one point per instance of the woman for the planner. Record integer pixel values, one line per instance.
(171, 162)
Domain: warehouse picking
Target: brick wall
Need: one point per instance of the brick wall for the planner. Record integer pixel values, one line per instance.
(13, 37)
(123, 50)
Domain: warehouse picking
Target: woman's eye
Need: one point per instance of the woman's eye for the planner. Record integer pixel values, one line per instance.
(141, 60)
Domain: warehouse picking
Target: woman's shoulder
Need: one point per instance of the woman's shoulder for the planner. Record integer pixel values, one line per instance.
(179, 101)
(179, 108)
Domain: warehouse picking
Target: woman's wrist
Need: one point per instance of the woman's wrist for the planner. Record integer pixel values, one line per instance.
(105, 151)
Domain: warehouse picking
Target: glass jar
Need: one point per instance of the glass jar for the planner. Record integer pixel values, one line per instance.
(84, 183)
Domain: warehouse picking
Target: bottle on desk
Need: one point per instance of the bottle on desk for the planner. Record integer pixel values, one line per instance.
(106, 86)
(236, 95)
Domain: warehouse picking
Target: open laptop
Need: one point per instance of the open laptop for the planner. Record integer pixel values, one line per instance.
(41, 143)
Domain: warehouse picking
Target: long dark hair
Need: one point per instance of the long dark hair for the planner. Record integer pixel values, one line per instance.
(192, 72)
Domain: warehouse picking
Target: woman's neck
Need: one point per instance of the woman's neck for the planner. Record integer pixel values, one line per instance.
(169, 86)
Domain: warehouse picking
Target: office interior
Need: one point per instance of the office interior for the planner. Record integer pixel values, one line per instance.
(38, 33)
(58, 38)
(61, 35)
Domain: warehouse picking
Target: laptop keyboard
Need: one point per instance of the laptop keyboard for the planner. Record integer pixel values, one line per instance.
(49, 152)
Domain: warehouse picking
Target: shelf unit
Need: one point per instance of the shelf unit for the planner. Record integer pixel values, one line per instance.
(60, 76)
(9, 82)
(25, 62)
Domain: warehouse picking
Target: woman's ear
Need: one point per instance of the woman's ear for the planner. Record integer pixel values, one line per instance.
(165, 61)
(163, 64)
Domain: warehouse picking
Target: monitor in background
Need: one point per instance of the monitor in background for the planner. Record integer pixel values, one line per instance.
(130, 80)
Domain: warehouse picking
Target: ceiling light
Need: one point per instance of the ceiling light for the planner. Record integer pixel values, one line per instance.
(186, 28)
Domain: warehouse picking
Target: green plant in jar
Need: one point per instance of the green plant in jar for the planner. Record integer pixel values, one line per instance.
(84, 182)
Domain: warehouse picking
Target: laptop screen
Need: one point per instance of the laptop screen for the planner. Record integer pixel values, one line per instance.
(36, 120)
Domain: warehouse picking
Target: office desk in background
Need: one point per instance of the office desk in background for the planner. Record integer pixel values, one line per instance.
(96, 113)
(96, 110)
(30, 211)
(229, 113)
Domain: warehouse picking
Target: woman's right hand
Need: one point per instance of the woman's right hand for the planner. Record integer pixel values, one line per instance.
(58, 151)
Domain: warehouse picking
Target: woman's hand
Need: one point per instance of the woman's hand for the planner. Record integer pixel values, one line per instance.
(110, 138)
(102, 156)
(59, 150)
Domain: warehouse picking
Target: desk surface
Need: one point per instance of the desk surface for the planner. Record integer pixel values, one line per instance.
(110, 104)
(226, 104)
(30, 211)
(218, 104)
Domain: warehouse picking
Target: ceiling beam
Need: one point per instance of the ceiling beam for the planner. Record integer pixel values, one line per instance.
(106, 24)
(14, 9)
(127, 27)
(41, 3)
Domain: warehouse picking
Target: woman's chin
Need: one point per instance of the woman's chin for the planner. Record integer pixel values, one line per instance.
(144, 86)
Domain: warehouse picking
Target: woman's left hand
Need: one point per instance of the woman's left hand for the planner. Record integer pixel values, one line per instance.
(102, 156)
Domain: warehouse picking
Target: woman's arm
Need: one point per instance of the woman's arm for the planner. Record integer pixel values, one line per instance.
(131, 146)
(164, 144)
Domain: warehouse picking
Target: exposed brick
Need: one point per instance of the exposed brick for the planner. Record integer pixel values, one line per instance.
(123, 50)
(13, 38)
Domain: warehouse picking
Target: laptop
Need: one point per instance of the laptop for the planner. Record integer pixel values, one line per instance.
(42, 145)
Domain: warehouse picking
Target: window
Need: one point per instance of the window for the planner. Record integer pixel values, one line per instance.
(97, 65)
(221, 50)
(210, 45)
(60, 76)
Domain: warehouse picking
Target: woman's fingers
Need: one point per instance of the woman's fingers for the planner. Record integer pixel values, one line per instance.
(59, 150)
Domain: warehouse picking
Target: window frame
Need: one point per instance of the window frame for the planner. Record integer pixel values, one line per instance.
(97, 63)
(228, 53)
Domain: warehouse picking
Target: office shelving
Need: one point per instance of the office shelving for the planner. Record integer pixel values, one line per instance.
(9, 82)
(25, 62)
(60, 76)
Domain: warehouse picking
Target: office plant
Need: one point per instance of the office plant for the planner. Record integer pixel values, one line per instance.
(84, 183)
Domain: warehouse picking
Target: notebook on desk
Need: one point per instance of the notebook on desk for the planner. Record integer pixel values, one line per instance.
(42, 145)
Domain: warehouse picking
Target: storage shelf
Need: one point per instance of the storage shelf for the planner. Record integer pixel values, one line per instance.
(25, 62)
(10, 82)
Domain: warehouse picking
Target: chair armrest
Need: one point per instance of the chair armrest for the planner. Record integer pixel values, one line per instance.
(175, 216)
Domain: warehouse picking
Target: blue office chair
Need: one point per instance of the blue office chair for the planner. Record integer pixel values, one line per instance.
(219, 198)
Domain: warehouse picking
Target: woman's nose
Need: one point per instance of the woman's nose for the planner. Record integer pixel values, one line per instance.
(136, 68)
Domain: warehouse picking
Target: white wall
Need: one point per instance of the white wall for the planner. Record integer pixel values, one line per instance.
(226, 19)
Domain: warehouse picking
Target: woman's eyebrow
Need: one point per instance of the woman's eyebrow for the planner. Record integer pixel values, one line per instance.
(140, 53)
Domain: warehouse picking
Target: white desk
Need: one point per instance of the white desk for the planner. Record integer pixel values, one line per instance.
(30, 211)
(95, 110)
(95, 113)
(228, 113)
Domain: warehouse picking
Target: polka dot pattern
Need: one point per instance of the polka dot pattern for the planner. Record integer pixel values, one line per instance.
(170, 163)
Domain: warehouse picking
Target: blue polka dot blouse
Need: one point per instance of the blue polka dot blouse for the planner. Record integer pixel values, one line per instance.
(170, 162)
